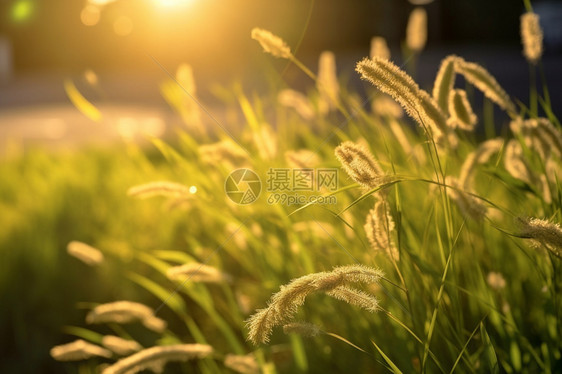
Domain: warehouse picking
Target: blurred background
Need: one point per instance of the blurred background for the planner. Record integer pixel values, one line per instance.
(128, 46)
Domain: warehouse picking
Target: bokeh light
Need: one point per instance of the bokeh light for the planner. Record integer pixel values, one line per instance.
(90, 15)
(123, 26)
(22, 10)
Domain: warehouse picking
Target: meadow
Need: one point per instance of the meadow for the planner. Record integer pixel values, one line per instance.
(437, 251)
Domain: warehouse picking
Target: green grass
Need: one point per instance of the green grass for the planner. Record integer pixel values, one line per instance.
(439, 314)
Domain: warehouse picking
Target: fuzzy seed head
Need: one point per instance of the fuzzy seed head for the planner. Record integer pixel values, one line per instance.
(460, 111)
(125, 312)
(155, 358)
(485, 82)
(85, 253)
(379, 226)
(416, 31)
(284, 304)
(271, 43)
(531, 37)
(540, 135)
(444, 82)
(359, 164)
(543, 232)
(515, 164)
(327, 82)
(479, 156)
(243, 364)
(119, 345)
(78, 350)
(390, 79)
(355, 297)
(196, 272)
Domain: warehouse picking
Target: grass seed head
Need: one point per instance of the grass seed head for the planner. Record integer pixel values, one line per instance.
(543, 232)
(327, 82)
(444, 82)
(379, 226)
(243, 364)
(460, 111)
(359, 164)
(85, 253)
(271, 43)
(485, 82)
(78, 350)
(531, 37)
(284, 304)
(416, 31)
(155, 358)
(196, 272)
(119, 345)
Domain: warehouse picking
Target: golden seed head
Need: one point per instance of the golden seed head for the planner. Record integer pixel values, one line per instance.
(85, 253)
(444, 82)
(119, 345)
(271, 43)
(542, 232)
(243, 364)
(155, 358)
(390, 79)
(416, 31)
(485, 82)
(460, 111)
(327, 82)
(125, 312)
(359, 164)
(196, 272)
(379, 226)
(480, 155)
(284, 304)
(515, 164)
(78, 350)
(531, 37)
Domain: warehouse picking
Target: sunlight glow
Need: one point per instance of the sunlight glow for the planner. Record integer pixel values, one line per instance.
(173, 3)
(192, 189)
(22, 10)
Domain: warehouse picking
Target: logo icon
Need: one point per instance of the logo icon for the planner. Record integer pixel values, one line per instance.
(243, 186)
